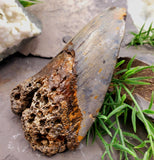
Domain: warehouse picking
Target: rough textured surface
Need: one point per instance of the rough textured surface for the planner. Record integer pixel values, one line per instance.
(50, 114)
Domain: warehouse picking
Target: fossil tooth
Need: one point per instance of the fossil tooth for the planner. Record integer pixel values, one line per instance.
(58, 103)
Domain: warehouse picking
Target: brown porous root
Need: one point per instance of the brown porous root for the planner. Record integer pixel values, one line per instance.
(48, 104)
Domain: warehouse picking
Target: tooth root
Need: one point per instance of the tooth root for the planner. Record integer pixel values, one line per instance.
(51, 118)
(59, 103)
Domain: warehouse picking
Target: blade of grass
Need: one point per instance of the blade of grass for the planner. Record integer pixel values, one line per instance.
(105, 128)
(88, 134)
(134, 119)
(116, 110)
(103, 155)
(113, 139)
(151, 102)
(130, 63)
(142, 116)
(128, 134)
(134, 70)
(143, 144)
(125, 115)
(29, 3)
(119, 63)
(121, 138)
(148, 111)
(125, 149)
(147, 155)
(143, 37)
(121, 71)
(105, 144)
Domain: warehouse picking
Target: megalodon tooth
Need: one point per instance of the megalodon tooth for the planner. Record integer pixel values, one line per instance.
(58, 105)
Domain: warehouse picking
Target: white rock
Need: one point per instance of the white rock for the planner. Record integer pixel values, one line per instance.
(15, 26)
(141, 11)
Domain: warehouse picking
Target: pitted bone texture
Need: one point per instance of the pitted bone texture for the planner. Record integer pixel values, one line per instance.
(47, 101)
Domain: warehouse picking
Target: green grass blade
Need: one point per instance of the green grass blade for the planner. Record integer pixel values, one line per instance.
(130, 63)
(143, 144)
(135, 70)
(87, 137)
(103, 155)
(147, 155)
(133, 33)
(132, 146)
(105, 144)
(141, 29)
(151, 126)
(125, 115)
(114, 137)
(94, 127)
(132, 136)
(123, 98)
(26, 3)
(105, 127)
(151, 102)
(122, 148)
(134, 82)
(115, 104)
(149, 30)
(143, 119)
(121, 137)
(134, 119)
(118, 109)
(102, 117)
(148, 111)
(121, 155)
(140, 78)
(121, 71)
(119, 63)
(143, 37)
